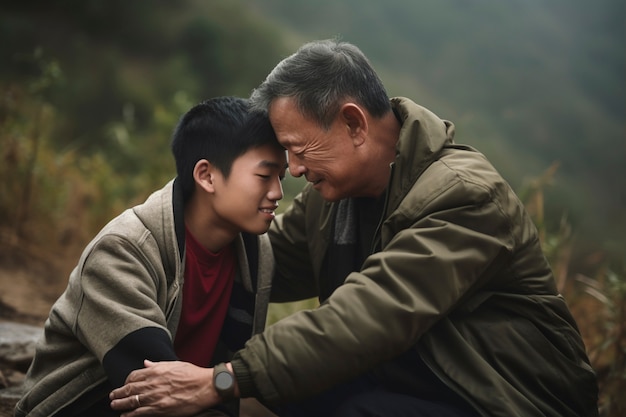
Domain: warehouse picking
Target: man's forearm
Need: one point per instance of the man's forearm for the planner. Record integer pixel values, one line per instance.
(244, 385)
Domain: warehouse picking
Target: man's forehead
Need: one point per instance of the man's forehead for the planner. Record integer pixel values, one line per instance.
(285, 110)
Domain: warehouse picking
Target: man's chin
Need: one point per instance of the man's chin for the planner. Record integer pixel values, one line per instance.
(329, 194)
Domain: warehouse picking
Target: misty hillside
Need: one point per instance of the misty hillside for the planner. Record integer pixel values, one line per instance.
(527, 82)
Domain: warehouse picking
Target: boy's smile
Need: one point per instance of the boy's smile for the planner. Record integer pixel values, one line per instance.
(248, 198)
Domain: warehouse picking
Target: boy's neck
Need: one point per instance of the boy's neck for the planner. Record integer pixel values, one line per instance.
(201, 222)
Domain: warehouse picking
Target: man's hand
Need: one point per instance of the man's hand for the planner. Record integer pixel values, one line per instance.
(166, 389)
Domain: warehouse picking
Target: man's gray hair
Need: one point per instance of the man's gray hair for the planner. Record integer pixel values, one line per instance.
(321, 76)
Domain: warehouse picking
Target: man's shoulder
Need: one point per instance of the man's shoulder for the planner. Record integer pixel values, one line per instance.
(460, 175)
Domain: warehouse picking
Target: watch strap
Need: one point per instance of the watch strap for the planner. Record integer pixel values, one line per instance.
(226, 393)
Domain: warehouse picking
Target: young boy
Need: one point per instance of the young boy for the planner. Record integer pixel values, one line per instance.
(184, 276)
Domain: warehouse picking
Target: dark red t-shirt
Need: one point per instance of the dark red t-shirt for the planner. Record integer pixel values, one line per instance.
(206, 294)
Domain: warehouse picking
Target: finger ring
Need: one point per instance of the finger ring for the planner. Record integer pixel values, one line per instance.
(137, 399)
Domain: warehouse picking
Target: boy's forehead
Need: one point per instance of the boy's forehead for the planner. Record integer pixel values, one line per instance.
(266, 156)
(274, 164)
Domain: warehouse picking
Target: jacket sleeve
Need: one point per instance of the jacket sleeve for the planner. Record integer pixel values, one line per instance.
(121, 316)
(439, 252)
(151, 343)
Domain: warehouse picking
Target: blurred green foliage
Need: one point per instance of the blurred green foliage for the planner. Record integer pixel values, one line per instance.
(91, 91)
(597, 297)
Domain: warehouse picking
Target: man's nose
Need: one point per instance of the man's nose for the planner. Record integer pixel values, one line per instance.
(296, 168)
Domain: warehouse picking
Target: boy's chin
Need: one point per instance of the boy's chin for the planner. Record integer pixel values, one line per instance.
(259, 230)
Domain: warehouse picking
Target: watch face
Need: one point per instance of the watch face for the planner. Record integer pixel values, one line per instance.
(223, 381)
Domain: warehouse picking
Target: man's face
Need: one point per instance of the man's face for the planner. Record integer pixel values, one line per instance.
(325, 157)
(248, 198)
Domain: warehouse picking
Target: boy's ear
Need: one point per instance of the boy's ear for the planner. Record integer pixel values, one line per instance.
(203, 175)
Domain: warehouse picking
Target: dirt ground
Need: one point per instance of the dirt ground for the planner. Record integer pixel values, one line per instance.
(28, 287)
(28, 291)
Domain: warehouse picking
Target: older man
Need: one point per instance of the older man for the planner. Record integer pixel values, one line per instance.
(436, 298)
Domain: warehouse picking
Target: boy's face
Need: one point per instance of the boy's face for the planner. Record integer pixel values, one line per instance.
(247, 199)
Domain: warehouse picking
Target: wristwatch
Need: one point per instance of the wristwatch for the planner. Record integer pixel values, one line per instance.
(224, 382)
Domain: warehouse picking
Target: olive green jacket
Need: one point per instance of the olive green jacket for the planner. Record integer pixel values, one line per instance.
(460, 278)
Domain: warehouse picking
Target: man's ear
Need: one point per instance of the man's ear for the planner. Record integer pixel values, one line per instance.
(355, 121)
(204, 175)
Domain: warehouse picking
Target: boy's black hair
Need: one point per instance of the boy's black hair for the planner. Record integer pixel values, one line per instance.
(219, 130)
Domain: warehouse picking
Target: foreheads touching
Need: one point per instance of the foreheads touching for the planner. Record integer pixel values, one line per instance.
(219, 130)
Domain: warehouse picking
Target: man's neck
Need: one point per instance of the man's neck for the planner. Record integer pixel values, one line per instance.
(386, 135)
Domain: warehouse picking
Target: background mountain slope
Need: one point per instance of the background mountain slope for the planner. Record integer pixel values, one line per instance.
(527, 82)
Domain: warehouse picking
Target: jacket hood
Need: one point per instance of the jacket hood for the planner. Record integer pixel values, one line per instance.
(422, 137)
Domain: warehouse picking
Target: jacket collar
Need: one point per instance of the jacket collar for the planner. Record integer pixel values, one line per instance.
(178, 210)
(162, 214)
(423, 136)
